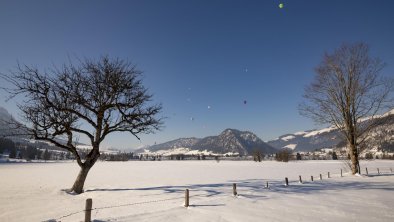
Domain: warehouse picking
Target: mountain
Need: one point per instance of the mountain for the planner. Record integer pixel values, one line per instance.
(4, 113)
(234, 141)
(9, 126)
(330, 137)
(173, 144)
(230, 141)
(381, 137)
(15, 131)
(308, 140)
(4, 116)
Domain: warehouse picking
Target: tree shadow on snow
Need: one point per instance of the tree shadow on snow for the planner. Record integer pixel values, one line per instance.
(379, 175)
(208, 189)
(309, 187)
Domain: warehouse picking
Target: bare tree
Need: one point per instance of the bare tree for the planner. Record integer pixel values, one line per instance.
(348, 92)
(92, 100)
(257, 155)
(283, 155)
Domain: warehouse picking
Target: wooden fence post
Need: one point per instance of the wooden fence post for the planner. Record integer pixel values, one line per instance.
(88, 210)
(391, 170)
(234, 189)
(312, 178)
(366, 170)
(187, 198)
(378, 171)
(328, 175)
(341, 172)
(299, 179)
(321, 177)
(286, 182)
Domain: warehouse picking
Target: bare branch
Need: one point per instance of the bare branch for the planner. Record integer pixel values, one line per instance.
(346, 90)
(94, 99)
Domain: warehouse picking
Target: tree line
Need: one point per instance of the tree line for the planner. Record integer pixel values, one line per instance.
(28, 152)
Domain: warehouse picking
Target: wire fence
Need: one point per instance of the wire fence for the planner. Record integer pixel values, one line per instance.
(116, 206)
(285, 183)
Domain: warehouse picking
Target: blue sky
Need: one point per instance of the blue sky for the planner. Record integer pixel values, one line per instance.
(201, 53)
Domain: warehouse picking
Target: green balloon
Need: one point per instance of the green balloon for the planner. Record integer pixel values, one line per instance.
(281, 5)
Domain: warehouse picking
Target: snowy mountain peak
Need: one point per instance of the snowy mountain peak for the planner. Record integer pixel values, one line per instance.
(230, 132)
(229, 141)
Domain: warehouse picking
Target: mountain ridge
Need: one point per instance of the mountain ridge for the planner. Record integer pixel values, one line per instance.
(330, 137)
(230, 141)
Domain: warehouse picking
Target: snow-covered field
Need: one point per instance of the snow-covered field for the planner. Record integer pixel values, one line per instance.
(154, 191)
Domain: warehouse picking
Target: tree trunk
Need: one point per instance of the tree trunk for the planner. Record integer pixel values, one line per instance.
(80, 181)
(354, 157)
(91, 159)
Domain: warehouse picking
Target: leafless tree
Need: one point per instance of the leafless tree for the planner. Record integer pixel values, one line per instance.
(92, 100)
(257, 155)
(348, 92)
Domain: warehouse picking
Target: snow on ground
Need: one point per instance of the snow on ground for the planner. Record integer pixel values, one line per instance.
(154, 191)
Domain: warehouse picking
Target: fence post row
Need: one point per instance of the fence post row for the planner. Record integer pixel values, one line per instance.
(186, 197)
(89, 201)
(88, 210)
